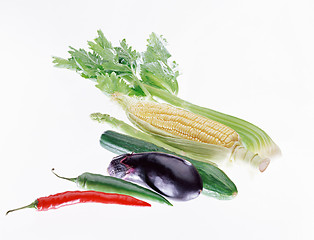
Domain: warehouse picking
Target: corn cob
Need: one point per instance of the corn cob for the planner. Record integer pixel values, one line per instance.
(168, 122)
(181, 123)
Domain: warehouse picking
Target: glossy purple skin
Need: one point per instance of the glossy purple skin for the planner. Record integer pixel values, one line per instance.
(167, 174)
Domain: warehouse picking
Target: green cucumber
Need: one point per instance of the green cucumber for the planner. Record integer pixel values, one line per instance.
(215, 182)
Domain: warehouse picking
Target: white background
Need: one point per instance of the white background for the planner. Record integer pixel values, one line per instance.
(251, 59)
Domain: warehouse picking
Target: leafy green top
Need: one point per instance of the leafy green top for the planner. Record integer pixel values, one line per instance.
(122, 69)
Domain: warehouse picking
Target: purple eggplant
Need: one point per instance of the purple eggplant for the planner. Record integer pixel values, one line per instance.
(165, 173)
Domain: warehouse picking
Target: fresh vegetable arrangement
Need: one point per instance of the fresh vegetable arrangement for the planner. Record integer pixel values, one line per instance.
(174, 148)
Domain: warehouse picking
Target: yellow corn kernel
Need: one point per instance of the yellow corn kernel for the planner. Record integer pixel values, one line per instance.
(182, 123)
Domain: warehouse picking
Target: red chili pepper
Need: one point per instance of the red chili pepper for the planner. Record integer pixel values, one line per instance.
(73, 197)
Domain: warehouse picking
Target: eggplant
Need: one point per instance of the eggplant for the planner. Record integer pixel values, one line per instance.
(167, 174)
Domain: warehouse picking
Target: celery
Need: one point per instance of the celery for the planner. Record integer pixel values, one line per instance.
(151, 74)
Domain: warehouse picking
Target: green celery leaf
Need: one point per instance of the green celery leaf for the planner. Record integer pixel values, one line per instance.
(65, 63)
(102, 40)
(110, 84)
(156, 69)
(156, 49)
(116, 67)
(89, 59)
(102, 59)
(87, 64)
(127, 56)
(86, 69)
(160, 75)
(107, 54)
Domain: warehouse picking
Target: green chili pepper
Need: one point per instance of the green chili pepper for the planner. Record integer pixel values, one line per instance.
(108, 184)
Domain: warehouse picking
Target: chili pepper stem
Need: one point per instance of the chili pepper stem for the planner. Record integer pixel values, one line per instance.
(32, 205)
(70, 179)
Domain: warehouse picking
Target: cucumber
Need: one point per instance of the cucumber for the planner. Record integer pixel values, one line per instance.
(215, 182)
